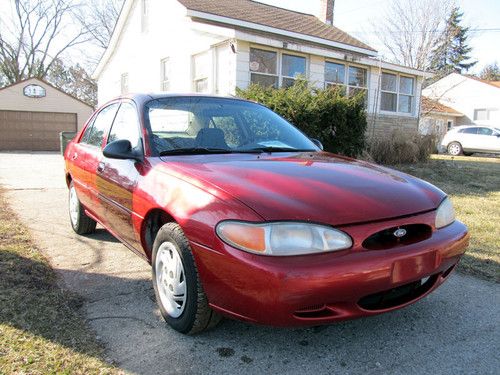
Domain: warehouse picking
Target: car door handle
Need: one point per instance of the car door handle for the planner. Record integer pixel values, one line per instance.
(100, 167)
(75, 156)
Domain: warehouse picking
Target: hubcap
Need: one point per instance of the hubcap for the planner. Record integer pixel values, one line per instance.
(454, 149)
(170, 279)
(74, 206)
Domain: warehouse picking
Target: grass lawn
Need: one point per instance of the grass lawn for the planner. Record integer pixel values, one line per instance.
(41, 328)
(473, 184)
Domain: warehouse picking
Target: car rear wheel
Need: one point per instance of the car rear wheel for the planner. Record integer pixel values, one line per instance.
(178, 290)
(80, 222)
(454, 148)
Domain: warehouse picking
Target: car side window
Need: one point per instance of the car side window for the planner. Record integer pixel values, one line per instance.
(469, 131)
(126, 125)
(484, 131)
(100, 126)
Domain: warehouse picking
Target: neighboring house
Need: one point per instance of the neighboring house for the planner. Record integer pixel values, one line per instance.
(213, 47)
(478, 100)
(436, 118)
(33, 113)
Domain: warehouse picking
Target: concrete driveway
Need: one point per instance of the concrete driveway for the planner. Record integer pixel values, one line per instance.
(453, 331)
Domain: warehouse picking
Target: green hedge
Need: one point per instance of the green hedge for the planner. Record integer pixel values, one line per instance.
(337, 120)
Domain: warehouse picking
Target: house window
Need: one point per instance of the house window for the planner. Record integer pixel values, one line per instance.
(124, 83)
(483, 114)
(354, 79)
(201, 67)
(264, 67)
(397, 93)
(270, 68)
(165, 74)
(291, 68)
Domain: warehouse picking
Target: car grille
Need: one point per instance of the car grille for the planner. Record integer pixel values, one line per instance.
(397, 296)
(386, 239)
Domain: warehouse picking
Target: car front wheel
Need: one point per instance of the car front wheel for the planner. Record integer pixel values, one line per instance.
(80, 222)
(454, 148)
(178, 290)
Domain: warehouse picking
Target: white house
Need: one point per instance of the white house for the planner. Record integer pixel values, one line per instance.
(215, 46)
(478, 101)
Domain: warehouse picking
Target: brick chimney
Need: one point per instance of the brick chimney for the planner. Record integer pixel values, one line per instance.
(326, 11)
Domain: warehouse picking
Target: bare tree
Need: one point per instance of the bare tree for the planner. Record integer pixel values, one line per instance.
(99, 17)
(411, 29)
(40, 32)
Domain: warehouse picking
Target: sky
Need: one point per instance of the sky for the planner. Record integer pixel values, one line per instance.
(355, 17)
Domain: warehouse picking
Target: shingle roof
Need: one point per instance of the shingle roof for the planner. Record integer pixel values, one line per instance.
(430, 105)
(271, 16)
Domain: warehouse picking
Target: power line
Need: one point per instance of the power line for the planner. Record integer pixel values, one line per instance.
(476, 30)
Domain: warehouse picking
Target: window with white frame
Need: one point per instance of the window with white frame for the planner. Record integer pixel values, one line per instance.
(483, 114)
(292, 67)
(124, 83)
(165, 74)
(271, 68)
(201, 68)
(397, 93)
(353, 79)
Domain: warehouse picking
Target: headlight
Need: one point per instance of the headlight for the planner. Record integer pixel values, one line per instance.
(281, 239)
(445, 214)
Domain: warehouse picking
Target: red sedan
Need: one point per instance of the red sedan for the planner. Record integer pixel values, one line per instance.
(241, 215)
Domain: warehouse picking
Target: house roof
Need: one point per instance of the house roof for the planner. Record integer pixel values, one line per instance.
(433, 106)
(275, 17)
(491, 83)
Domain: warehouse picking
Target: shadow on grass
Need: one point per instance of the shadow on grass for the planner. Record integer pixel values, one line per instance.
(32, 301)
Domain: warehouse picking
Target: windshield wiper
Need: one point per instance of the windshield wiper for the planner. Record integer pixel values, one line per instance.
(270, 149)
(195, 151)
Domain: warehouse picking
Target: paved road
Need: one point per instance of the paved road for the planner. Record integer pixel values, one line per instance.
(453, 331)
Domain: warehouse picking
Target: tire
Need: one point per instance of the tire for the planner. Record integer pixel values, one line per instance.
(178, 290)
(454, 148)
(80, 222)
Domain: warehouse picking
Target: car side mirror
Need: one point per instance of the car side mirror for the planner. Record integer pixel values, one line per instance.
(121, 149)
(317, 143)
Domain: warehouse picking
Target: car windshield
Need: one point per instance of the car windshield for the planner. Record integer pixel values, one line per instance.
(198, 125)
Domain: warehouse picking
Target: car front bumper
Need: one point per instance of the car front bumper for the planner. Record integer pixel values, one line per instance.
(324, 288)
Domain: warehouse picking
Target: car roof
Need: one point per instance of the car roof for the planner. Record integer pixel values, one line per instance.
(145, 97)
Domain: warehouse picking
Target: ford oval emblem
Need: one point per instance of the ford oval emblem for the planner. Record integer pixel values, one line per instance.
(400, 233)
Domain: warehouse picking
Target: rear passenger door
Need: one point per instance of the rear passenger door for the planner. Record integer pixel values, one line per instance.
(118, 178)
(468, 138)
(86, 156)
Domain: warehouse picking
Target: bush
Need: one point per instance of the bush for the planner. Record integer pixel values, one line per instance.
(402, 148)
(338, 121)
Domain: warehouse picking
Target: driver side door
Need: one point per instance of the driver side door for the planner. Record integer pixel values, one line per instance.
(118, 178)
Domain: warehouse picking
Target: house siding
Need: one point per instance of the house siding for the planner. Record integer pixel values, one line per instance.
(139, 52)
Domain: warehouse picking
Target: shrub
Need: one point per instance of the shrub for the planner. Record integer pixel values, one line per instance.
(337, 120)
(402, 148)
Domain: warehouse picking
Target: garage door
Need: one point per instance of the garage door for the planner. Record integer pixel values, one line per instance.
(33, 131)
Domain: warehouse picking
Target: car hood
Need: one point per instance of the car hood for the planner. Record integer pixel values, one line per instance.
(317, 187)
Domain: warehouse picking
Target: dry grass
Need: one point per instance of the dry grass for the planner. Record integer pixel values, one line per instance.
(473, 184)
(41, 327)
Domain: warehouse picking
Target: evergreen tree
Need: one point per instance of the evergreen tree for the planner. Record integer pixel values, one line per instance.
(490, 72)
(452, 52)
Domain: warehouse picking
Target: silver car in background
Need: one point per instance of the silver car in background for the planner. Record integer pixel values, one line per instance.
(469, 139)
